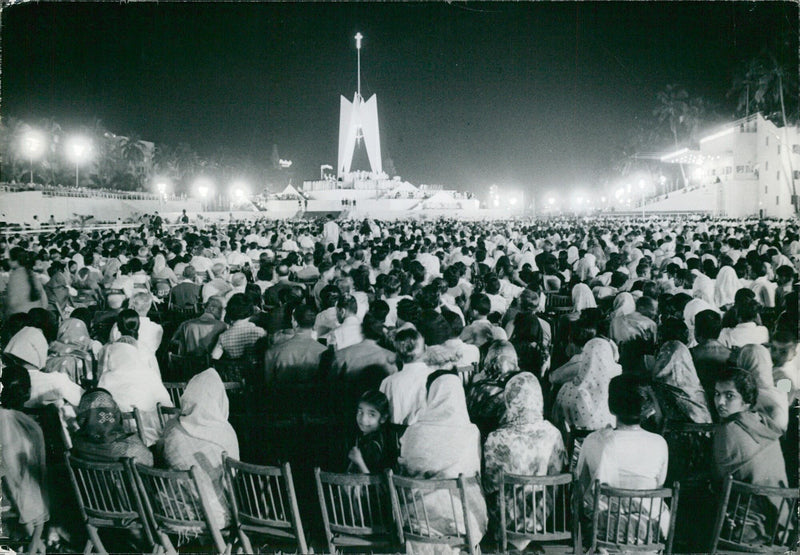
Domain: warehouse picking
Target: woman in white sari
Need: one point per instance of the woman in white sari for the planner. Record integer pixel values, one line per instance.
(725, 287)
(443, 443)
(126, 373)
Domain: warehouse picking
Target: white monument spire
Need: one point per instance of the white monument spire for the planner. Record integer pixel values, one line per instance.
(357, 120)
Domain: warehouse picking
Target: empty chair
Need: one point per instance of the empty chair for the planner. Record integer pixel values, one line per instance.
(108, 499)
(240, 370)
(740, 525)
(176, 506)
(633, 519)
(542, 510)
(356, 511)
(417, 507)
(264, 503)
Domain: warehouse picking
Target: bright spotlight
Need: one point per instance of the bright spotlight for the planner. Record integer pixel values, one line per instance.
(79, 149)
(603, 199)
(619, 192)
(203, 190)
(33, 144)
(551, 201)
(512, 201)
(161, 186)
(238, 193)
(496, 202)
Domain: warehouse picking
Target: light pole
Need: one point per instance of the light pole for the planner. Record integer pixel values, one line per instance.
(33, 146)
(203, 190)
(78, 149)
(641, 188)
(162, 193)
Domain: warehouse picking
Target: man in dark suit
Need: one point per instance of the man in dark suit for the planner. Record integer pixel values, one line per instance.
(187, 293)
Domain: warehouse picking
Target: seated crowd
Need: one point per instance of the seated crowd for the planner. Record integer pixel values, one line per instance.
(517, 347)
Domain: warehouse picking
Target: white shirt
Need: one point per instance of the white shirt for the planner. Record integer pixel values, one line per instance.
(348, 333)
(406, 392)
(745, 333)
(470, 354)
(150, 335)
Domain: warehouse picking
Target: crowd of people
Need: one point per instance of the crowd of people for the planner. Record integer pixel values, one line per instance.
(472, 347)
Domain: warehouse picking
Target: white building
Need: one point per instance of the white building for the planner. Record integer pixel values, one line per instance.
(749, 167)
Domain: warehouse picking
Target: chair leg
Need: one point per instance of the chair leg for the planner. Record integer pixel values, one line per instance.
(88, 549)
(94, 539)
(166, 543)
(245, 541)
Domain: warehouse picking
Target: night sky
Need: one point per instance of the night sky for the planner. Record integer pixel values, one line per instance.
(531, 95)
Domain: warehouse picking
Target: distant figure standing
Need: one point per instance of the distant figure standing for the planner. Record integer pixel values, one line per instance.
(184, 217)
(330, 232)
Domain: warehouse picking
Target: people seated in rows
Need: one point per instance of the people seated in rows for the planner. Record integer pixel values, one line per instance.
(296, 359)
(238, 341)
(198, 336)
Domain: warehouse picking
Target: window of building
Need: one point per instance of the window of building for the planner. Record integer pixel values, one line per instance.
(778, 175)
(766, 189)
(777, 200)
(766, 166)
(766, 140)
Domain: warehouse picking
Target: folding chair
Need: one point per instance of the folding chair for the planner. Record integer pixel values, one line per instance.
(166, 413)
(175, 390)
(734, 514)
(411, 515)
(132, 422)
(575, 441)
(690, 454)
(241, 370)
(175, 505)
(108, 498)
(645, 508)
(356, 511)
(263, 502)
(557, 304)
(542, 510)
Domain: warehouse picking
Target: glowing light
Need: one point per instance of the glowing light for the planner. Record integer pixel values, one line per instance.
(619, 192)
(358, 38)
(284, 164)
(551, 201)
(512, 201)
(603, 199)
(33, 144)
(674, 154)
(79, 149)
(161, 187)
(717, 135)
(203, 190)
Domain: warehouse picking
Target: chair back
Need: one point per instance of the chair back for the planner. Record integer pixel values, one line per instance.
(557, 304)
(537, 508)
(241, 370)
(165, 414)
(132, 422)
(629, 519)
(264, 502)
(356, 511)
(175, 390)
(184, 367)
(742, 512)
(575, 438)
(411, 515)
(175, 505)
(107, 497)
(690, 451)
(466, 373)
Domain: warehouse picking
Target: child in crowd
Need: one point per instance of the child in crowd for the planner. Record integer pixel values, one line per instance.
(375, 450)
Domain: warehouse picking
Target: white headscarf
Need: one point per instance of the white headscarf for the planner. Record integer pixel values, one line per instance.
(29, 345)
(624, 304)
(204, 412)
(726, 286)
(582, 298)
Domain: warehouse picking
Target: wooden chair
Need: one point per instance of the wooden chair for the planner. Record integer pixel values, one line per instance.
(356, 511)
(466, 373)
(734, 511)
(132, 422)
(575, 437)
(557, 304)
(186, 366)
(411, 515)
(175, 505)
(555, 494)
(175, 390)
(263, 502)
(166, 413)
(690, 454)
(108, 498)
(624, 506)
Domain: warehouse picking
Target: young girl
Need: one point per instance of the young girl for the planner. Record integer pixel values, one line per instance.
(375, 450)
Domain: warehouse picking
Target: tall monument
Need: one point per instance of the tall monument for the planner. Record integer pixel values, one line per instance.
(358, 121)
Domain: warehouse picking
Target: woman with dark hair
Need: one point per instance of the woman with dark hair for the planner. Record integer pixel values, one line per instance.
(746, 445)
(23, 456)
(24, 290)
(528, 340)
(126, 373)
(625, 456)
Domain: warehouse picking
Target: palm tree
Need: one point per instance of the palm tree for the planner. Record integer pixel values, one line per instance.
(134, 153)
(673, 108)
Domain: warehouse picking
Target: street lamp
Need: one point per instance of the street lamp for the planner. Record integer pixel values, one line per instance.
(78, 148)
(641, 187)
(162, 192)
(33, 146)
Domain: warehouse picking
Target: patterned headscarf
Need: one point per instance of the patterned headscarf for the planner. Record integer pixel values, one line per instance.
(100, 418)
(524, 401)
